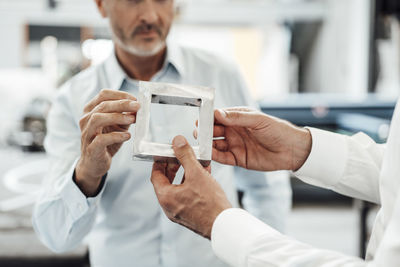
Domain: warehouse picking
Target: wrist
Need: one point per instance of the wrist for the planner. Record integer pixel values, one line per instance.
(225, 206)
(301, 148)
(88, 184)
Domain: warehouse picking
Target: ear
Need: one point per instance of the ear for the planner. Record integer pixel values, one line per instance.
(101, 7)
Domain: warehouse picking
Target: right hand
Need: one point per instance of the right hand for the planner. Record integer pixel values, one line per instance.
(198, 200)
(256, 141)
(104, 127)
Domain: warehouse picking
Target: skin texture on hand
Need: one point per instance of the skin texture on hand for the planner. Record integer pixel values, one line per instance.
(198, 200)
(104, 128)
(256, 141)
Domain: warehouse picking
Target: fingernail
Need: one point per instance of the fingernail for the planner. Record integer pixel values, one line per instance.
(130, 118)
(133, 104)
(179, 141)
(127, 135)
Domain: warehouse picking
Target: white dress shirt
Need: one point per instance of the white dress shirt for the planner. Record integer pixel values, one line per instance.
(354, 166)
(124, 224)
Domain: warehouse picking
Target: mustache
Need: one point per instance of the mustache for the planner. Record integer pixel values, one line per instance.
(145, 27)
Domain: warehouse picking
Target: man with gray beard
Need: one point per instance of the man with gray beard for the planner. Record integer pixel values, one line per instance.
(94, 190)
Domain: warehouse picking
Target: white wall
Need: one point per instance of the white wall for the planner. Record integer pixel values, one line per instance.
(341, 54)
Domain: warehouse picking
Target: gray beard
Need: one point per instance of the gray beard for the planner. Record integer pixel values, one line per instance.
(137, 51)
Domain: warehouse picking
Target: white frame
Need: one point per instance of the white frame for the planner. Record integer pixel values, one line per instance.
(174, 94)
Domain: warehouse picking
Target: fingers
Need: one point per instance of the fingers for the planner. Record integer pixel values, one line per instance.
(219, 131)
(171, 170)
(124, 107)
(101, 141)
(185, 154)
(106, 95)
(99, 120)
(158, 178)
(221, 145)
(117, 106)
(242, 117)
(226, 158)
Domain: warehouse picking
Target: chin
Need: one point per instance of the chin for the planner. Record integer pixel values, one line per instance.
(142, 51)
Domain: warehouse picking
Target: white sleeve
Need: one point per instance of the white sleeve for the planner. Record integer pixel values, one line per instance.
(387, 253)
(348, 165)
(242, 240)
(63, 215)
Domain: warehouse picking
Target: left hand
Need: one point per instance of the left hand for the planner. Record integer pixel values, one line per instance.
(198, 200)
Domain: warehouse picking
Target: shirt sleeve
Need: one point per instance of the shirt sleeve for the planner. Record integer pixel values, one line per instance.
(348, 165)
(387, 253)
(242, 240)
(63, 215)
(268, 196)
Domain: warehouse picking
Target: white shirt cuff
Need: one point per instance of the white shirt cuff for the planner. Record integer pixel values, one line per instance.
(76, 202)
(327, 161)
(233, 232)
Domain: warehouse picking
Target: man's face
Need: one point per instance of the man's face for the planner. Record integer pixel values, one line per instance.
(140, 26)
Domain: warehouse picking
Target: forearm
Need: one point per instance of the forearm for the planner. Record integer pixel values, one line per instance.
(63, 216)
(258, 245)
(347, 165)
(56, 227)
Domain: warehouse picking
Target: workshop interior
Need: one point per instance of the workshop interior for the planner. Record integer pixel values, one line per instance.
(330, 64)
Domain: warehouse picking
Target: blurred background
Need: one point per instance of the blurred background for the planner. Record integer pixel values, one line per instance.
(333, 64)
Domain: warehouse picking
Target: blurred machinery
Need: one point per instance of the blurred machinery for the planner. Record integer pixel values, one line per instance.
(388, 7)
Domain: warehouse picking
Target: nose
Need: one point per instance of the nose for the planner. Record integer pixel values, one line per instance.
(148, 12)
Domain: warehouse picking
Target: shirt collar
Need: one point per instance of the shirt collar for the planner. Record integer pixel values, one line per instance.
(116, 75)
(114, 72)
(175, 58)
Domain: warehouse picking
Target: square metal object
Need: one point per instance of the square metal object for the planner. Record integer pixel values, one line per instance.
(173, 94)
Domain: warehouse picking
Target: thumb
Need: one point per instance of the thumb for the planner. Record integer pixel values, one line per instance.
(184, 153)
(241, 117)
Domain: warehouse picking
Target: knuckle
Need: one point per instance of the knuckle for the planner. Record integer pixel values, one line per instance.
(94, 120)
(183, 154)
(89, 150)
(123, 102)
(86, 109)
(101, 107)
(82, 122)
(96, 141)
(103, 92)
(95, 117)
(186, 153)
(233, 115)
(84, 133)
(115, 137)
(91, 120)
